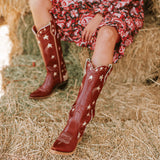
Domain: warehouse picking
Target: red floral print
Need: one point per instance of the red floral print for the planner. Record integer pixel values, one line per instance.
(72, 16)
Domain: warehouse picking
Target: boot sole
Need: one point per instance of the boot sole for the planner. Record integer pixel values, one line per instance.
(59, 86)
(64, 153)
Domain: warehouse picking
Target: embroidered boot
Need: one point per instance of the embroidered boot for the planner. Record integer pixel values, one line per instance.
(49, 43)
(83, 110)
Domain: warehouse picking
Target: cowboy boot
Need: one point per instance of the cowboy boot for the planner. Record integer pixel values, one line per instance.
(83, 110)
(49, 43)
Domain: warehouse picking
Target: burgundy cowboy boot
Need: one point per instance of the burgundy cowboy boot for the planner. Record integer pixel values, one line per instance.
(50, 46)
(83, 110)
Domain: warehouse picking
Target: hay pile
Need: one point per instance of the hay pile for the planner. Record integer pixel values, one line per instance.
(126, 125)
(13, 11)
(156, 8)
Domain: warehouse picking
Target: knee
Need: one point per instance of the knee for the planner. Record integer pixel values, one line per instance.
(38, 5)
(108, 33)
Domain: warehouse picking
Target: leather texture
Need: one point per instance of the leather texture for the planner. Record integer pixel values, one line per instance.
(83, 110)
(49, 43)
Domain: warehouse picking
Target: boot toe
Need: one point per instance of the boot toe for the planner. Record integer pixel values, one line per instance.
(60, 146)
(38, 94)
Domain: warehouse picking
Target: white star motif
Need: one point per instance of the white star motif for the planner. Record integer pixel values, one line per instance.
(72, 109)
(84, 123)
(98, 88)
(101, 77)
(101, 68)
(49, 45)
(55, 73)
(93, 102)
(39, 42)
(52, 57)
(88, 114)
(44, 29)
(89, 107)
(45, 37)
(55, 66)
(96, 70)
(90, 77)
(78, 135)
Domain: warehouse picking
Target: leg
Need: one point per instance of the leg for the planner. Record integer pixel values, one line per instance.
(105, 44)
(83, 110)
(39, 9)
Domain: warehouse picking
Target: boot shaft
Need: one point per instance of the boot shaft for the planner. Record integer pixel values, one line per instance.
(50, 46)
(92, 83)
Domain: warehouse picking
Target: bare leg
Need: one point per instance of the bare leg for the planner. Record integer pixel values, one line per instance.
(40, 12)
(105, 44)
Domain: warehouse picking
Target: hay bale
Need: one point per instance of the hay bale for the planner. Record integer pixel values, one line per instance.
(156, 8)
(152, 7)
(142, 58)
(13, 11)
(20, 7)
(126, 120)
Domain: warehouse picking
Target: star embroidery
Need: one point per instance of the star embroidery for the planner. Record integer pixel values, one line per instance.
(78, 135)
(45, 37)
(88, 114)
(96, 70)
(52, 57)
(84, 123)
(93, 102)
(55, 73)
(98, 88)
(89, 107)
(49, 45)
(101, 77)
(101, 68)
(90, 77)
(55, 66)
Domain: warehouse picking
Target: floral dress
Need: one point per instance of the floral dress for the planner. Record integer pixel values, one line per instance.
(72, 16)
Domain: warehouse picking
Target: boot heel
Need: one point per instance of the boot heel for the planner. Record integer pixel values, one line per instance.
(63, 85)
